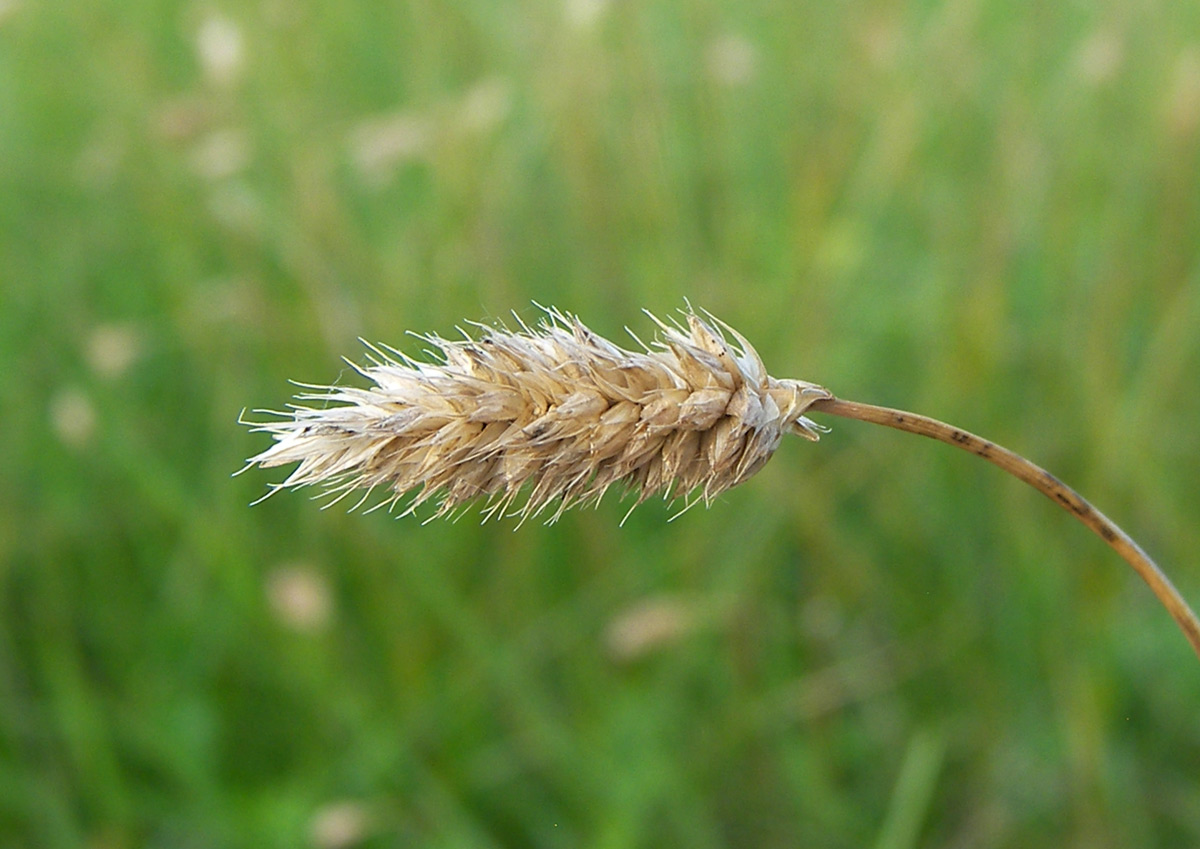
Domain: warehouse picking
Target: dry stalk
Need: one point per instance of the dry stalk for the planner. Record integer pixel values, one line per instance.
(563, 414)
(1043, 482)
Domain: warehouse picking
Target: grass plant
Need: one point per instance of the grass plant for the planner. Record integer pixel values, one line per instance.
(563, 414)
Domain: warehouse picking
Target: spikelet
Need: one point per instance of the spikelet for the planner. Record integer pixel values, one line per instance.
(555, 411)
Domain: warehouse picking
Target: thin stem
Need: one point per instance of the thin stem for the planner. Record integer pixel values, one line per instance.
(1043, 482)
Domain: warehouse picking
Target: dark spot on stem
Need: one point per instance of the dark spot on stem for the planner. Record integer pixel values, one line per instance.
(1108, 533)
(1069, 498)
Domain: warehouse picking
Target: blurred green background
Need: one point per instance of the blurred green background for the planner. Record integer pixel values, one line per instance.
(985, 211)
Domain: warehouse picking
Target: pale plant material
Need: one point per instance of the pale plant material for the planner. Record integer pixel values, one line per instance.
(556, 412)
(562, 414)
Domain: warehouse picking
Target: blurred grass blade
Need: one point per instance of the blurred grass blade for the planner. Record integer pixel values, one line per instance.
(913, 791)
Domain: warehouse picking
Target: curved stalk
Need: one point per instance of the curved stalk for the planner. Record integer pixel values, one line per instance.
(1043, 482)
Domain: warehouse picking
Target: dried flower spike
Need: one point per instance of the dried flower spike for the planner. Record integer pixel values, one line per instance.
(563, 414)
(555, 411)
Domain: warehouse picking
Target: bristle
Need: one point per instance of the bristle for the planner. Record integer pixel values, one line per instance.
(555, 412)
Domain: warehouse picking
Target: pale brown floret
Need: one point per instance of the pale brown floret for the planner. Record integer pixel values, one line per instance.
(556, 411)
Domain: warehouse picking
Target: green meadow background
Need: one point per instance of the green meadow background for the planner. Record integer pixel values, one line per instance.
(983, 210)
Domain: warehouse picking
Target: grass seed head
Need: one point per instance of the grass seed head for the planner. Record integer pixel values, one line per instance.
(556, 412)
